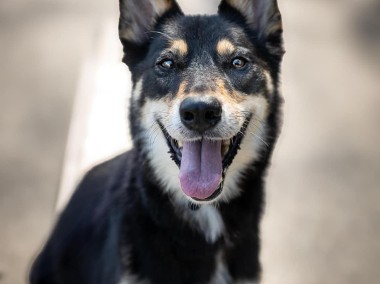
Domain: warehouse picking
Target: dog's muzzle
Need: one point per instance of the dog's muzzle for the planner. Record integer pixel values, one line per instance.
(203, 162)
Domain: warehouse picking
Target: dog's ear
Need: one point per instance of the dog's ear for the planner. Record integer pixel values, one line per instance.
(260, 16)
(137, 19)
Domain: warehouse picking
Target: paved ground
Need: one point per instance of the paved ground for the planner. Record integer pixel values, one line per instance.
(322, 218)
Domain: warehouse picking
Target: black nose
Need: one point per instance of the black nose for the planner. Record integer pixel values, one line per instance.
(200, 114)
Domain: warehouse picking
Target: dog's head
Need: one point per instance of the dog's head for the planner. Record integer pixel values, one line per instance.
(205, 98)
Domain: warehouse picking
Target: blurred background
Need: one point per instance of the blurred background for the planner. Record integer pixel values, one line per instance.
(64, 90)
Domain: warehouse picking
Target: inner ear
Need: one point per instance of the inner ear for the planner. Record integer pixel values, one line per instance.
(261, 16)
(138, 17)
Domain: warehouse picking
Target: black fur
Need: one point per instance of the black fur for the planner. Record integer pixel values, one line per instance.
(119, 220)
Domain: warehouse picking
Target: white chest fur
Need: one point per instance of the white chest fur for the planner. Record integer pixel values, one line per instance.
(209, 221)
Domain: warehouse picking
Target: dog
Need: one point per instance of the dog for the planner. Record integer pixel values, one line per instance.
(184, 205)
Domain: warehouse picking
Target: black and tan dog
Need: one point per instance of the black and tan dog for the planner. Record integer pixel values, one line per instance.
(184, 205)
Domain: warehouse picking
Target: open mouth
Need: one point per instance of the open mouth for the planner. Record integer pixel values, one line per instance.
(203, 163)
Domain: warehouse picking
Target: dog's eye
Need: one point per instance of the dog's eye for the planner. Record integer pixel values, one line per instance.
(238, 62)
(166, 64)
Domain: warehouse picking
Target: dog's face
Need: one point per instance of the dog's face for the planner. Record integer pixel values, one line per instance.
(204, 91)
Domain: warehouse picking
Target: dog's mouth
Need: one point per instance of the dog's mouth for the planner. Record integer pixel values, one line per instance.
(203, 163)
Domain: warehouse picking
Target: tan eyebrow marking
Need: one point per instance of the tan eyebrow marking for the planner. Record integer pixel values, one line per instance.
(225, 47)
(180, 46)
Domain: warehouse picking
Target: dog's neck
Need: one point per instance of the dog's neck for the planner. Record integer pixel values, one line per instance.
(213, 221)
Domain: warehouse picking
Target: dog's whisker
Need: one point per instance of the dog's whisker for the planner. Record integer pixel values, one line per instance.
(161, 33)
(261, 139)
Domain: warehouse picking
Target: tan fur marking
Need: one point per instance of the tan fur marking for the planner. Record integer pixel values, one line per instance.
(178, 97)
(225, 47)
(161, 6)
(181, 89)
(180, 46)
(225, 96)
(128, 33)
(221, 93)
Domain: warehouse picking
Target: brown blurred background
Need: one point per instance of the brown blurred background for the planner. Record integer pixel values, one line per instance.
(322, 220)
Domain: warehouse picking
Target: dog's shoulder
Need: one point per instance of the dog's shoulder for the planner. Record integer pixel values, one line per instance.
(87, 230)
(99, 192)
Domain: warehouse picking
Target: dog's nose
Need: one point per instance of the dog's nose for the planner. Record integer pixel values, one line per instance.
(200, 115)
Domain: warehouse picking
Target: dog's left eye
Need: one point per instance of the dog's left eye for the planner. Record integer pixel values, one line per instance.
(166, 64)
(238, 62)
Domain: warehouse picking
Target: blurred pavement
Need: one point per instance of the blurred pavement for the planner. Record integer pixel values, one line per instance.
(322, 220)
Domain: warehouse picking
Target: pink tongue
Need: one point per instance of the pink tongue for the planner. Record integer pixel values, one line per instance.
(201, 168)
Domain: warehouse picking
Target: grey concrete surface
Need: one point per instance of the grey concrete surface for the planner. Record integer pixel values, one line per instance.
(322, 220)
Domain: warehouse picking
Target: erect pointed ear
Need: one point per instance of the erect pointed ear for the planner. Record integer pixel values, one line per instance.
(138, 18)
(262, 17)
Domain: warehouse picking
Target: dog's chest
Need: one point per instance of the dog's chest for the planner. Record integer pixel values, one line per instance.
(187, 253)
(208, 220)
(219, 276)
(189, 259)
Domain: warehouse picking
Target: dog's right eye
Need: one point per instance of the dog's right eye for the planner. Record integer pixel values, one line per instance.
(166, 64)
(238, 62)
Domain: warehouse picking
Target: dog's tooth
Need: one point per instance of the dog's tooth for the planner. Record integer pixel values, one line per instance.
(225, 146)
